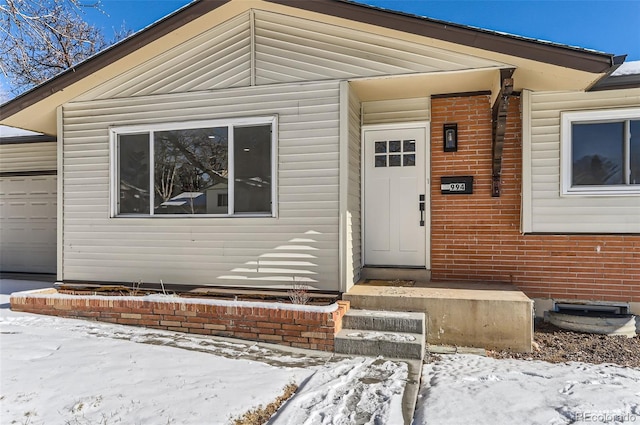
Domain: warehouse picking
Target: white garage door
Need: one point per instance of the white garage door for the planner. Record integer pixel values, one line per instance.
(28, 224)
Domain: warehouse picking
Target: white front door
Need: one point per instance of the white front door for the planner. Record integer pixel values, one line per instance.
(395, 185)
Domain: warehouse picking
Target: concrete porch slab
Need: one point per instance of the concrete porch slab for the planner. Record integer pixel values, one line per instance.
(473, 314)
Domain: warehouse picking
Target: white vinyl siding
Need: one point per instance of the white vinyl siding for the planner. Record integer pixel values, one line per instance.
(301, 244)
(547, 210)
(395, 111)
(354, 221)
(26, 157)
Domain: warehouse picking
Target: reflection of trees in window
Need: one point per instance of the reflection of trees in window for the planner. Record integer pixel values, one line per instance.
(252, 169)
(133, 153)
(598, 153)
(596, 170)
(187, 162)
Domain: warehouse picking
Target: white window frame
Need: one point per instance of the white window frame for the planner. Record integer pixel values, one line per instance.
(116, 131)
(586, 117)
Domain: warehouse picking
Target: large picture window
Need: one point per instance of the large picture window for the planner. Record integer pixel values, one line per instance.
(601, 152)
(200, 168)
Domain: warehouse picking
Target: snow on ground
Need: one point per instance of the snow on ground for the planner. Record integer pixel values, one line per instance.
(362, 391)
(467, 389)
(74, 372)
(59, 371)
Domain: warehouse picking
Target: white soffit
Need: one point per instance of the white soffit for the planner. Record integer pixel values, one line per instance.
(424, 85)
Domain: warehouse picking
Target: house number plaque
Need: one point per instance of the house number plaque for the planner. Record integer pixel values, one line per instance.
(458, 185)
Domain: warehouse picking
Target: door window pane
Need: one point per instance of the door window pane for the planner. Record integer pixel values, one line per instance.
(252, 169)
(394, 160)
(381, 147)
(394, 146)
(133, 160)
(409, 146)
(409, 160)
(381, 161)
(598, 153)
(191, 170)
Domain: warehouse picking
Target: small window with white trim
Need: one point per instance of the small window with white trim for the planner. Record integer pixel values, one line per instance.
(205, 168)
(601, 152)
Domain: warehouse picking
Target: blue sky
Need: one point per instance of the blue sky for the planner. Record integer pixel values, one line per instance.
(609, 26)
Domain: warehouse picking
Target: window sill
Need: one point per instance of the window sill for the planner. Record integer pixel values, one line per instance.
(593, 191)
(159, 216)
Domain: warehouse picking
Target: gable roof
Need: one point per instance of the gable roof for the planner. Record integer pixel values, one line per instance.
(535, 50)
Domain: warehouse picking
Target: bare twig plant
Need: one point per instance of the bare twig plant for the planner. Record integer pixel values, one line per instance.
(298, 293)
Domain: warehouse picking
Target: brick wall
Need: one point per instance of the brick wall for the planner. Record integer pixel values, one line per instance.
(253, 321)
(477, 237)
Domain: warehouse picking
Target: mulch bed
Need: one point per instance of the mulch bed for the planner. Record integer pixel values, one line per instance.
(273, 296)
(556, 345)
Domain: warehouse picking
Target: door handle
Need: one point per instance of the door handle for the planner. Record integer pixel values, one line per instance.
(421, 202)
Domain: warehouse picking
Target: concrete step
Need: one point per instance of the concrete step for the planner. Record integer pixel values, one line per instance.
(397, 345)
(385, 321)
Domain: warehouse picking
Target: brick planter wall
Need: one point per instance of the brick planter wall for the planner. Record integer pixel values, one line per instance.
(477, 237)
(312, 327)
